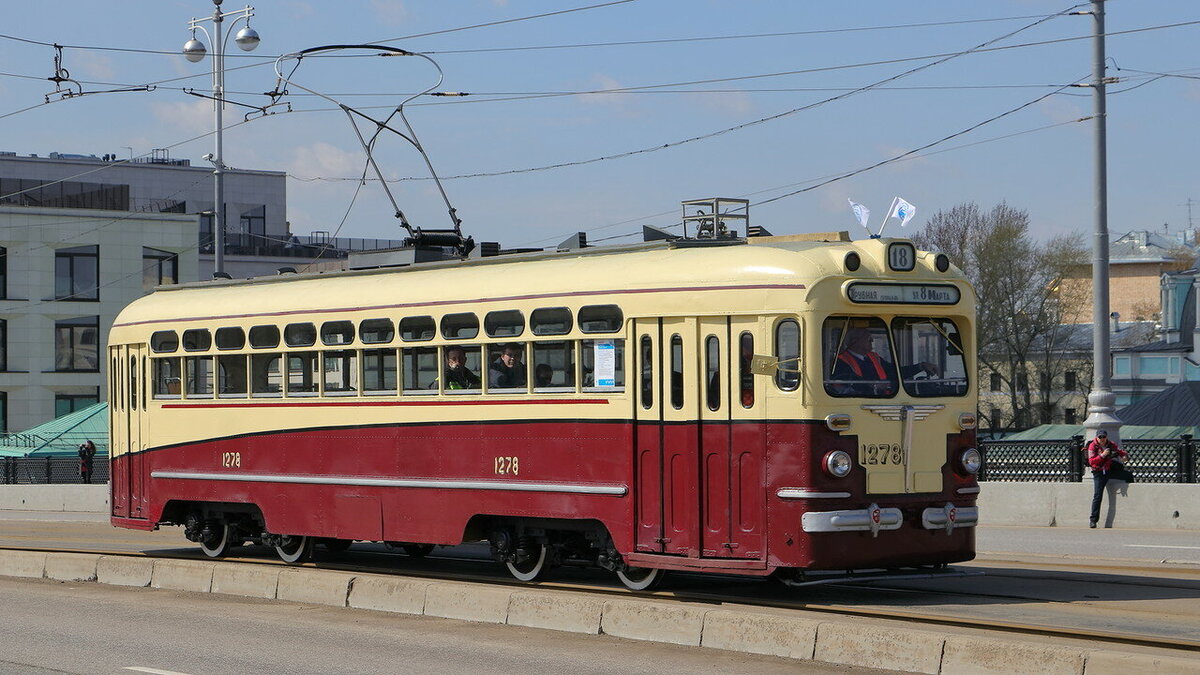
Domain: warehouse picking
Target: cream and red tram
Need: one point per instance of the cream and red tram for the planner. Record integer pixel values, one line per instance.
(682, 408)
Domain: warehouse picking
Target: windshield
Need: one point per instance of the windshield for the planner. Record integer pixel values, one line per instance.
(859, 359)
(857, 353)
(931, 356)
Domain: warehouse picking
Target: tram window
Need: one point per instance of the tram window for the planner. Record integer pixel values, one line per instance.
(930, 355)
(231, 376)
(197, 340)
(647, 372)
(603, 364)
(420, 368)
(676, 372)
(337, 332)
(417, 328)
(266, 374)
(379, 371)
(264, 337)
(787, 350)
(166, 377)
(600, 319)
(462, 326)
(303, 373)
(341, 372)
(554, 366)
(376, 331)
(199, 376)
(508, 370)
(465, 377)
(856, 357)
(551, 321)
(504, 323)
(164, 341)
(745, 375)
(712, 372)
(133, 397)
(113, 392)
(300, 335)
(231, 337)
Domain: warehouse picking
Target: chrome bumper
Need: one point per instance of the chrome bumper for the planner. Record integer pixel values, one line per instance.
(949, 517)
(871, 519)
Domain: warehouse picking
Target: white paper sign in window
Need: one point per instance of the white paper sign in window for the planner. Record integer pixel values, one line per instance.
(605, 353)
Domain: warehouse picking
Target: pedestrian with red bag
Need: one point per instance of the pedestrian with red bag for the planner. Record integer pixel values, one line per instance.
(1108, 463)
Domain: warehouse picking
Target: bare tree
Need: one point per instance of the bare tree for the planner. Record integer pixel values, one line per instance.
(1020, 331)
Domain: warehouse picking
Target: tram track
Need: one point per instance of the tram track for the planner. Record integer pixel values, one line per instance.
(715, 598)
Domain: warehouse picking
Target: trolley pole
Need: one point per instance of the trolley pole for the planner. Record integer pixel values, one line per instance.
(1101, 401)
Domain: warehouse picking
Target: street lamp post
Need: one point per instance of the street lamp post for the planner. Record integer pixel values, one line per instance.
(194, 50)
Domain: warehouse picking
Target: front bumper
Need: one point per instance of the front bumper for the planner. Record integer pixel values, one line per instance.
(875, 518)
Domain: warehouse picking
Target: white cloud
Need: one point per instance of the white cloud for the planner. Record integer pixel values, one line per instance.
(619, 102)
(390, 12)
(731, 103)
(194, 116)
(323, 159)
(94, 66)
(1059, 110)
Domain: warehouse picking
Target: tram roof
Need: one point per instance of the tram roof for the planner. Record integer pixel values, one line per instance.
(659, 264)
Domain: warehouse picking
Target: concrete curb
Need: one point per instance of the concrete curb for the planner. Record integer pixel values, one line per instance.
(851, 642)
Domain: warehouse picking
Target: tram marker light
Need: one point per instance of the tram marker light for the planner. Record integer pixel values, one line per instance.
(942, 262)
(966, 421)
(852, 262)
(838, 422)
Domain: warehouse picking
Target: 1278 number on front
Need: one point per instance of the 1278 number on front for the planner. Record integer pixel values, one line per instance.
(882, 453)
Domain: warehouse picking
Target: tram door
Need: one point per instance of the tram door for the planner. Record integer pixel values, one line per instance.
(135, 383)
(666, 437)
(118, 480)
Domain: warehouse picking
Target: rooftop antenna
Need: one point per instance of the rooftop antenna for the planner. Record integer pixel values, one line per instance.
(451, 237)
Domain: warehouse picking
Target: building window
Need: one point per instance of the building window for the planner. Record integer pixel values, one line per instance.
(995, 381)
(1069, 382)
(3, 345)
(3, 412)
(77, 273)
(1069, 416)
(65, 404)
(1022, 382)
(158, 268)
(994, 419)
(3, 273)
(1046, 381)
(76, 344)
(254, 223)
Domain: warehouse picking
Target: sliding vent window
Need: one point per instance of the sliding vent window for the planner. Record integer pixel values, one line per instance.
(376, 331)
(930, 354)
(197, 340)
(164, 341)
(462, 326)
(231, 338)
(417, 328)
(264, 337)
(337, 333)
(300, 335)
(600, 319)
(551, 321)
(506, 323)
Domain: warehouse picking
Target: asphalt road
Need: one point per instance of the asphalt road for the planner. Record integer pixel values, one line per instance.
(1082, 544)
(51, 627)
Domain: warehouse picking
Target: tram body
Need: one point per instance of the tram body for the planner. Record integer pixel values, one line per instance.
(693, 418)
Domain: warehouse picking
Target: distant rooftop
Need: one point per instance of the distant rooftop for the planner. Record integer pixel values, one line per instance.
(1147, 246)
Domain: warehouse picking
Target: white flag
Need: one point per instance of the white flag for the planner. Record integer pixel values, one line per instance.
(862, 213)
(902, 210)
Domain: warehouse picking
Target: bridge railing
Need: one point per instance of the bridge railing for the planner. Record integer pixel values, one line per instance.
(1166, 460)
(30, 470)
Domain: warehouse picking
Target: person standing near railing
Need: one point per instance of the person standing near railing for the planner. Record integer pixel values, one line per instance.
(1107, 462)
(87, 457)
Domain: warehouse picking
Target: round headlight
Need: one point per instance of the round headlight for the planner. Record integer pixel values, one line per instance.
(971, 461)
(853, 262)
(838, 463)
(942, 262)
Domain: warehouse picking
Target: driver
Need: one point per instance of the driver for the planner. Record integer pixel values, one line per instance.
(858, 362)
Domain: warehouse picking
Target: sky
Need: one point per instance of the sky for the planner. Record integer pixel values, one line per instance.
(663, 94)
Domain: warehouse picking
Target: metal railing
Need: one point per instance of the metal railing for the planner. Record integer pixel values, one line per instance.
(1167, 460)
(32, 470)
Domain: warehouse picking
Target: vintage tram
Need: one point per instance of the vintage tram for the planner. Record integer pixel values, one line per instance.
(741, 406)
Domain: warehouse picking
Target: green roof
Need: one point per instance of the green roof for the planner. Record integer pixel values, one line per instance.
(60, 436)
(1131, 432)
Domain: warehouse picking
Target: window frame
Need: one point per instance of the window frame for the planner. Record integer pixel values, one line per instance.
(72, 255)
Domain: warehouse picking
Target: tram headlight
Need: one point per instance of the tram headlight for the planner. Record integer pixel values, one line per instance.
(838, 463)
(970, 460)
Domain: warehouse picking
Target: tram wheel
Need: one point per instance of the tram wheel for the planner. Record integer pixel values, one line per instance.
(417, 550)
(533, 566)
(336, 545)
(641, 578)
(223, 539)
(294, 549)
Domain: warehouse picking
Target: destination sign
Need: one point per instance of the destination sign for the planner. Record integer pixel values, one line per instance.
(904, 294)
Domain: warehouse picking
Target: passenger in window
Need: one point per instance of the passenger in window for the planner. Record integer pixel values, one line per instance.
(507, 371)
(859, 362)
(543, 375)
(457, 375)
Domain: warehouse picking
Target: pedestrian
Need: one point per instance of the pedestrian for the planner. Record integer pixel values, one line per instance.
(87, 458)
(1107, 462)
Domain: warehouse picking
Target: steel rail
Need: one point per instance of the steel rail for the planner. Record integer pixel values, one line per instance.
(1013, 627)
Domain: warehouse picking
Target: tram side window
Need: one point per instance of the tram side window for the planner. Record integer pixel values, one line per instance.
(930, 355)
(745, 375)
(856, 359)
(417, 328)
(600, 318)
(133, 382)
(300, 335)
(266, 373)
(166, 377)
(787, 350)
(197, 340)
(676, 372)
(164, 341)
(303, 373)
(199, 376)
(462, 326)
(379, 371)
(504, 323)
(553, 366)
(712, 372)
(231, 337)
(341, 372)
(231, 375)
(508, 370)
(376, 331)
(419, 365)
(462, 368)
(337, 333)
(551, 321)
(264, 337)
(603, 364)
(647, 350)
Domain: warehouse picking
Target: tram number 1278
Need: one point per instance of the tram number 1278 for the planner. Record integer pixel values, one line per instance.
(507, 465)
(884, 453)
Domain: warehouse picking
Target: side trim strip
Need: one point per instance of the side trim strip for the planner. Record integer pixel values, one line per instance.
(613, 490)
(317, 403)
(805, 493)
(968, 491)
